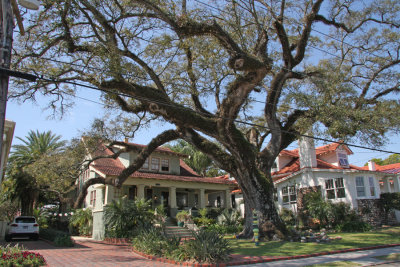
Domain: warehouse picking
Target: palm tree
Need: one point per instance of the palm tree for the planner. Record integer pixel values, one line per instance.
(24, 186)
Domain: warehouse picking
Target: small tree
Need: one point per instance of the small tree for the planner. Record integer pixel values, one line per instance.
(389, 202)
(83, 220)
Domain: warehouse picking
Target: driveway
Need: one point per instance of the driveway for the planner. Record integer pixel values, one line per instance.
(86, 253)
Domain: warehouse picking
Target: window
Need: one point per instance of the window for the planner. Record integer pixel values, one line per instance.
(335, 188)
(343, 161)
(145, 164)
(181, 200)
(289, 194)
(165, 165)
(155, 164)
(93, 198)
(371, 186)
(360, 186)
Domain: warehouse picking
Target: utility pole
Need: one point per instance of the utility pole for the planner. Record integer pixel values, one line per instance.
(6, 33)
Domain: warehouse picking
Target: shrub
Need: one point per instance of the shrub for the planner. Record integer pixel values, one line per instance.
(123, 217)
(225, 229)
(207, 246)
(82, 219)
(153, 241)
(288, 217)
(16, 256)
(354, 226)
(182, 216)
(60, 239)
(203, 219)
(63, 241)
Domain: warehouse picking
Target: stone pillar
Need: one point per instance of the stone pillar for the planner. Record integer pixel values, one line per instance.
(227, 199)
(172, 201)
(140, 191)
(386, 185)
(202, 199)
(396, 184)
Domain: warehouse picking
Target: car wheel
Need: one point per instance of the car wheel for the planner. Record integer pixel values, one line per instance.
(8, 238)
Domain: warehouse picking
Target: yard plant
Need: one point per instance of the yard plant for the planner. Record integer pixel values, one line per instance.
(17, 256)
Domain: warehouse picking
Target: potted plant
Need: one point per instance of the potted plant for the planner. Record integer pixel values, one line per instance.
(181, 217)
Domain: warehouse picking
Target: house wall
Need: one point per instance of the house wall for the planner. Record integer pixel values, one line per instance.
(282, 161)
(330, 158)
(98, 225)
(318, 178)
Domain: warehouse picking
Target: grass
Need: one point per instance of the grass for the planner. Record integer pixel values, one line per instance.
(336, 263)
(390, 257)
(349, 240)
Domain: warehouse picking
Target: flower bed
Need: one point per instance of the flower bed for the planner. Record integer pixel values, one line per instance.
(16, 256)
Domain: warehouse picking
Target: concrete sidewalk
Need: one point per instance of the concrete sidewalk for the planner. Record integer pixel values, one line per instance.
(364, 258)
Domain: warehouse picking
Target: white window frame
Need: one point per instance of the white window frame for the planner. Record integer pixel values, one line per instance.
(335, 185)
(372, 189)
(342, 159)
(360, 188)
(290, 193)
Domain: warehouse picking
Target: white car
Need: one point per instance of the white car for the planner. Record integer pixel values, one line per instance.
(23, 226)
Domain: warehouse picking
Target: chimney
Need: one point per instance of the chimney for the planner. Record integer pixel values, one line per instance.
(126, 140)
(371, 165)
(308, 158)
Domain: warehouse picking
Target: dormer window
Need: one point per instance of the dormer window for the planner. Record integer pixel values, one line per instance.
(146, 164)
(164, 165)
(343, 161)
(155, 164)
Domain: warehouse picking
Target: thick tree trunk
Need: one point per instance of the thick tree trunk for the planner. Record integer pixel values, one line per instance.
(258, 197)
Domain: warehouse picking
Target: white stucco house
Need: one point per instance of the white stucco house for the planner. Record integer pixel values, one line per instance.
(327, 169)
(164, 179)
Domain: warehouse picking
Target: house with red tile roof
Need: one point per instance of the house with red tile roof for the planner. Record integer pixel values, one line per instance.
(164, 179)
(327, 169)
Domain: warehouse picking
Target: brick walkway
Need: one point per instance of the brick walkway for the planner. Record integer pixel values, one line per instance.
(87, 254)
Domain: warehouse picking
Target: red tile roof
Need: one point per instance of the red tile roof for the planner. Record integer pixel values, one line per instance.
(390, 168)
(114, 167)
(318, 150)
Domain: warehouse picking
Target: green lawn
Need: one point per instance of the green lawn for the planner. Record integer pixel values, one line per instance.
(349, 240)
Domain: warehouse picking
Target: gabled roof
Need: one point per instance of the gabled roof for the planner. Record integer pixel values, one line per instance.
(114, 167)
(318, 150)
(159, 149)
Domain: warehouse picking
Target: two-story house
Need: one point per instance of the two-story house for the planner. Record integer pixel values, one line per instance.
(164, 179)
(327, 169)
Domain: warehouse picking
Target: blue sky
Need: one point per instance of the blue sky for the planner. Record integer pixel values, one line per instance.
(29, 116)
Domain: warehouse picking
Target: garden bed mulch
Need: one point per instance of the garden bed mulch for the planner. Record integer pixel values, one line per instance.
(237, 259)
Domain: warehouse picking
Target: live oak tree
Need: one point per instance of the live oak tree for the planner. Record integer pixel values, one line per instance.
(206, 67)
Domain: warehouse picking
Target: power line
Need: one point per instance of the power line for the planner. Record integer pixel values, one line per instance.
(220, 117)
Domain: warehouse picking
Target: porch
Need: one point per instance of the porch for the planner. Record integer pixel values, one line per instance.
(173, 197)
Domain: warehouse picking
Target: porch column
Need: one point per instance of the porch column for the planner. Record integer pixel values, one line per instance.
(386, 185)
(227, 199)
(202, 199)
(172, 201)
(396, 184)
(140, 191)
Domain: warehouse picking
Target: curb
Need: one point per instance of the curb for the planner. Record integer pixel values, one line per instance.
(260, 259)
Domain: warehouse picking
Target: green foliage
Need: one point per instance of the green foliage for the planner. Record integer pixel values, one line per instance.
(394, 158)
(17, 256)
(82, 219)
(389, 201)
(328, 214)
(153, 241)
(60, 238)
(224, 229)
(354, 226)
(8, 209)
(203, 219)
(182, 216)
(230, 217)
(288, 217)
(124, 217)
(63, 241)
(207, 246)
(160, 215)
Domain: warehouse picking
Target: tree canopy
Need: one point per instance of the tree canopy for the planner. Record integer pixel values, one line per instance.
(249, 75)
(394, 158)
